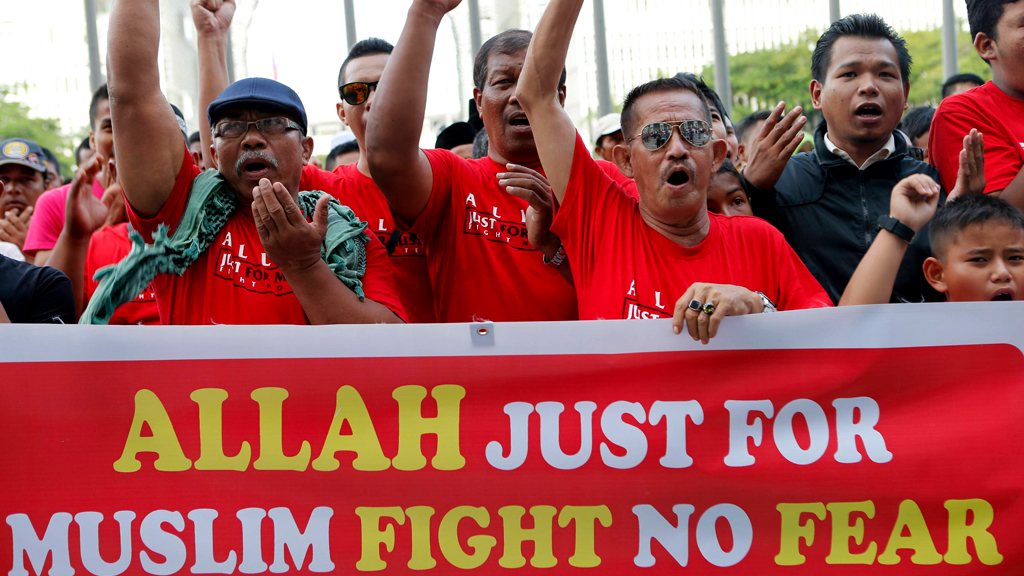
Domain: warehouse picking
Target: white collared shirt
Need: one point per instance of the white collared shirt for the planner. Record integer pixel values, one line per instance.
(885, 152)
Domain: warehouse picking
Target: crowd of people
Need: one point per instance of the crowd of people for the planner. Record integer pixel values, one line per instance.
(672, 211)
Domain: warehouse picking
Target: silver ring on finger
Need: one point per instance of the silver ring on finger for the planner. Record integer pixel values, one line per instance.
(709, 308)
(695, 305)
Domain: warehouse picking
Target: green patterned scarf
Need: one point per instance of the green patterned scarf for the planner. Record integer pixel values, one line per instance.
(210, 204)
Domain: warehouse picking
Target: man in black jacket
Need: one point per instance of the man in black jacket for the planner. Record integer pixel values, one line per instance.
(830, 203)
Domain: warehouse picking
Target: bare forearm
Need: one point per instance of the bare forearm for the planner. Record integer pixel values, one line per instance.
(392, 151)
(875, 276)
(69, 256)
(545, 59)
(133, 44)
(1014, 191)
(41, 257)
(327, 301)
(213, 79)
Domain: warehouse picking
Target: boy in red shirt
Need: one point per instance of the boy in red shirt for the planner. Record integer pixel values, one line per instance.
(664, 255)
(996, 109)
(263, 264)
(482, 266)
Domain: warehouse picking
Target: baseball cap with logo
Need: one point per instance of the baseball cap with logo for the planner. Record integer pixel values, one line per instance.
(258, 93)
(23, 153)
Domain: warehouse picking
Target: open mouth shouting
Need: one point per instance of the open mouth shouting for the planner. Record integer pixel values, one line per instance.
(678, 176)
(255, 164)
(869, 112)
(1003, 295)
(519, 121)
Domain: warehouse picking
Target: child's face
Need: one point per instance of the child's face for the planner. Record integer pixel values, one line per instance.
(726, 196)
(984, 262)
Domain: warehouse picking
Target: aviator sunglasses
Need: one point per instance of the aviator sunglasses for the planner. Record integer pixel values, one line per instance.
(355, 93)
(655, 135)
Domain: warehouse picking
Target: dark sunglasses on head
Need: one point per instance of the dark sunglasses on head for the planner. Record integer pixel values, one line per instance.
(268, 126)
(655, 135)
(355, 93)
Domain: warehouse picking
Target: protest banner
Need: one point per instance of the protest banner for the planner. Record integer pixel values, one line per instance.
(848, 441)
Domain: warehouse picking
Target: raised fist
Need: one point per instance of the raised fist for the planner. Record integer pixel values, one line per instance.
(212, 16)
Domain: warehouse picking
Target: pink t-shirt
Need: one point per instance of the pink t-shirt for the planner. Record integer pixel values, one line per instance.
(48, 218)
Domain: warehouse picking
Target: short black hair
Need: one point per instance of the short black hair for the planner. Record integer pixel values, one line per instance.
(714, 100)
(863, 26)
(368, 47)
(749, 122)
(956, 215)
(343, 148)
(917, 122)
(984, 15)
(480, 145)
(84, 145)
(98, 96)
(728, 168)
(194, 137)
(508, 42)
(955, 79)
(628, 117)
(52, 158)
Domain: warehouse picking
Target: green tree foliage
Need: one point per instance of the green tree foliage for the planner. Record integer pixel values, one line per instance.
(16, 123)
(761, 79)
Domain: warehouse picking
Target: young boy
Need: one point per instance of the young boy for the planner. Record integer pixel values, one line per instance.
(725, 193)
(977, 245)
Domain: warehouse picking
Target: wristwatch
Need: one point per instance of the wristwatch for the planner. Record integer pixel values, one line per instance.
(769, 306)
(896, 227)
(557, 259)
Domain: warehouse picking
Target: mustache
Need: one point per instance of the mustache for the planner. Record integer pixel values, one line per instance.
(687, 164)
(254, 155)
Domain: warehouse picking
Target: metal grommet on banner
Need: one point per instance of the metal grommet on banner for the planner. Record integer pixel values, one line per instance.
(482, 334)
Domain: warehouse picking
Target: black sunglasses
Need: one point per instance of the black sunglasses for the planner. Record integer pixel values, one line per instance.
(355, 93)
(655, 135)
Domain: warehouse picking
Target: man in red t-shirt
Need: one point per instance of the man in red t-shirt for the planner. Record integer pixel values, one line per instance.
(664, 255)
(482, 266)
(996, 109)
(263, 266)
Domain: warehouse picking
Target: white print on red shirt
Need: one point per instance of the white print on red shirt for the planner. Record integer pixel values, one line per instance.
(262, 277)
(491, 226)
(632, 309)
(408, 244)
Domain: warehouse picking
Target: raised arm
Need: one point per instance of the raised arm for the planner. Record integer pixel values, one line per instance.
(396, 162)
(537, 92)
(149, 145)
(212, 19)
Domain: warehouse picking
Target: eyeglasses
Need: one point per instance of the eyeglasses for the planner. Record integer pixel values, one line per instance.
(654, 136)
(355, 93)
(267, 126)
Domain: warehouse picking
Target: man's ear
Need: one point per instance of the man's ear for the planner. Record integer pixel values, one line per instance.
(906, 95)
(816, 88)
(721, 151)
(478, 97)
(985, 47)
(341, 113)
(741, 152)
(561, 96)
(307, 149)
(935, 274)
(623, 159)
(92, 140)
(214, 161)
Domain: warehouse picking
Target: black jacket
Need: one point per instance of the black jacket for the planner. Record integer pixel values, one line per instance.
(828, 210)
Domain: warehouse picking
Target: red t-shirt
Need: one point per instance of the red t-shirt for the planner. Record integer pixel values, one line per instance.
(998, 116)
(109, 246)
(623, 268)
(409, 259)
(627, 183)
(482, 266)
(233, 282)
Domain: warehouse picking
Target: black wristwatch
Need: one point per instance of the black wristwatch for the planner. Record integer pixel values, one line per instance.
(896, 227)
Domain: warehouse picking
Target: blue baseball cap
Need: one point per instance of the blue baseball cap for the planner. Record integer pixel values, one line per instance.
(258, 93)
(23, 153)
